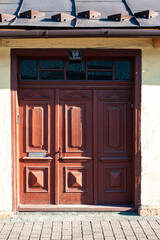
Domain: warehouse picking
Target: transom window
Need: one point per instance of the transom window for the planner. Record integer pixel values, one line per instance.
(84, 70)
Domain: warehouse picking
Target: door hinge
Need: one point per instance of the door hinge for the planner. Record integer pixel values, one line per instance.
(17, 118)
(17, 76)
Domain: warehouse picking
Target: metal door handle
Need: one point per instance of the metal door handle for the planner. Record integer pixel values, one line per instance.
(60, 153)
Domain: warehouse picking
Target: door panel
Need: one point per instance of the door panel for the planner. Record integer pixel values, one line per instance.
(35, 182)
(36, 150)
(114, 128)
(37, 131)
(114, 147)
(75, 139)
(75, 135)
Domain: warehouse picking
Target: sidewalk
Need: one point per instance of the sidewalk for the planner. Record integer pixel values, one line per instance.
(79, 226)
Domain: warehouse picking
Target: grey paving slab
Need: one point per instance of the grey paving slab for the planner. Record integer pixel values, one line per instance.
(94, 226)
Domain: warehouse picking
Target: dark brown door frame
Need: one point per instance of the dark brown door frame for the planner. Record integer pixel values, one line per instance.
(135, 54)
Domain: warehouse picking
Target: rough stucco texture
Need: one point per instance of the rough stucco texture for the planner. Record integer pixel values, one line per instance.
(150, 194)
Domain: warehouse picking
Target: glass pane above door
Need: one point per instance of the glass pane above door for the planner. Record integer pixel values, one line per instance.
(75, 70)
(28, 70)
(51, 64)
(122, 70)
(100, 64)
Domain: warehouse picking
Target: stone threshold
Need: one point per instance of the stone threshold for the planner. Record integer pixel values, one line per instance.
(75, 208)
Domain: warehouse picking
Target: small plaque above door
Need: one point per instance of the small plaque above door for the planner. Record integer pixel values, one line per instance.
(40, 154)
(75, 55)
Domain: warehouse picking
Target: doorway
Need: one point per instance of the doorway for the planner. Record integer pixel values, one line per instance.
(77, 128)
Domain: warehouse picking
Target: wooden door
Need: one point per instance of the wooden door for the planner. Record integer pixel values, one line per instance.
(75, 146)
(36, 146)
(115, 169)
(83, 166)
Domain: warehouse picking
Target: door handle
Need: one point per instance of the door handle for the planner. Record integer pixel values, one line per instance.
(60, 153)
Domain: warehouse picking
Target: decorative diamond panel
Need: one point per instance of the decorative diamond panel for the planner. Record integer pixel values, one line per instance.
(115, 179)
(37, 179)
(76, 179)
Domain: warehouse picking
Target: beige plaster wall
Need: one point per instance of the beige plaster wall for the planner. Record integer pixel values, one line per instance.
(150, 196)
(5, 131)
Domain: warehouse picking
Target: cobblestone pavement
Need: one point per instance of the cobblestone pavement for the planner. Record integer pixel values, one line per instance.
(90, 226)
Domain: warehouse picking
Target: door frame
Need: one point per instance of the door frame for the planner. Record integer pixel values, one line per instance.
(133, 53)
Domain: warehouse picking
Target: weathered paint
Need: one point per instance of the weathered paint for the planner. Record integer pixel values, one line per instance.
(150, 195)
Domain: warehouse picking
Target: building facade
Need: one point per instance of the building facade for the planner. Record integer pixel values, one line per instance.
(79, 124)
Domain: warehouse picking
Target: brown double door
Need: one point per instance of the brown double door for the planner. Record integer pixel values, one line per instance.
(76, 146)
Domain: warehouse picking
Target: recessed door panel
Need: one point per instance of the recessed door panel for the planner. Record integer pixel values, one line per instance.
(75, 135)
(36, 141)
(36, 128)
(75, 127)
(115, 147)
(114, 127)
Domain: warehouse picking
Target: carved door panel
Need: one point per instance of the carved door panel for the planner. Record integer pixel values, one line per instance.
(114, 146)
(75, 144)
(36, 146)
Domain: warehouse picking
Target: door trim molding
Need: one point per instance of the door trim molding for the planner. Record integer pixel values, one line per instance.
(134, 53)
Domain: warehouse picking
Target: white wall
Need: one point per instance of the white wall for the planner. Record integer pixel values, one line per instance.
(5, 132)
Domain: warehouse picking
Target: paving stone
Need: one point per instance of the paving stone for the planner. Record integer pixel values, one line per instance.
(97, 230)
(97, 235)
(142, 238)
(3, 236)
(131, 238)
(55, 238)
(66, 231)
(108, 234)
(128, 232)
(152, 237)
(138, 230)
(55, 228)
(35, 235)
(46, 230)
(87, 238)
(23, 238)
(76, 232)
(13, 237)
(77, 235)
(24, 233)
(34, 238)
(140, 235)
(42, 238)
(46, 235)
(100, 238)
(5, 232)
(109, 238)
(88, 235)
